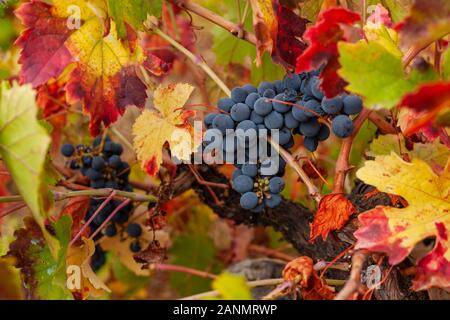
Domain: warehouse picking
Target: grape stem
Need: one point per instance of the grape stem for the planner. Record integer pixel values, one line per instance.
(117, 209)
(354, 282)
(235, 29)
(175, 268)
(250, 284)
(97, 211)
(342, 163)
(270, 252)
(58, 196)
(312, 189)
(195, 59)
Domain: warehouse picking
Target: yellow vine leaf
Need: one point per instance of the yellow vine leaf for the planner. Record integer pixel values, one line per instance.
(396, 231)
(166, 124)
(80, 256)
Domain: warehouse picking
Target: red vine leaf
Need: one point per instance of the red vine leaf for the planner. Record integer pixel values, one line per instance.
(427, 102)
(396, 231)
(51, 98)
(265, 25)
(76, 208)
(333, 213)
(331, 27)
(312, 287)
(104, 75)
(25, 250)
(427, 22)
(288, 43)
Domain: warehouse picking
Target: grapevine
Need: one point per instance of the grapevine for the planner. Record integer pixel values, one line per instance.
(224, 150)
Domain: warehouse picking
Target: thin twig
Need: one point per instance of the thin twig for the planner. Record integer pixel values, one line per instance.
(312, 189)
(250, 284)
(270, 252)
(97, 211)
(231, 27)
(176, 268)
(117, 209)
(354, 282)
(121, 137)
(384, 126)
(196, 60)
(58, 196)
(12, 209)
(281, 290)
(342, 164)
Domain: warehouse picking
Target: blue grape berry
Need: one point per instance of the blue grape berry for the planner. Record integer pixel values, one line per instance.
(256, 118)
(250, 88)
(289, 120)
(225, 104)
(332, 105)
(342, 126)
(223, 122)
(273, 200)
(310, 128)
(281, 107)
(135, 246)
(274, 120)
(324, 132)
(238, 94)
(249, 200)
(67, 150)
(276, 185)
(263, 106)
(311, 143)
(352, 104)
(209, 119)
(134, 230)
(243, 183)
(315, 88)
(240, 112)
(251, 99)
(250, 170)
(263, 86)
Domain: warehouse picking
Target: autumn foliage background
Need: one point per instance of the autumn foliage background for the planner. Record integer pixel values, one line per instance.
(140, 70)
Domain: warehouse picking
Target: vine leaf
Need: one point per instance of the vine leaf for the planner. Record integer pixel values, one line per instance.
(265, 24)
(428, 131)
(380, 59)
(133, 13)
(278, 31)
(323, 38)
(333, 213)
(23, 148)
(312, 287)
(430, 102)
(121, 247)
(168, 123)
(76, 208)
(43, 274)
(80, 256)
(103, 77)
(427, 21)
(434, 153)
(395, 231)
(288, 43)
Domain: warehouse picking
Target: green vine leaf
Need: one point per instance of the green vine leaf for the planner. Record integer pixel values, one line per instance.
(132, 12)
(374, 70)
(23, 148)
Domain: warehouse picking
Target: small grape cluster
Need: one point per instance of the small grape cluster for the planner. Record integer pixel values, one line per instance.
(294, 105)
(101, 163)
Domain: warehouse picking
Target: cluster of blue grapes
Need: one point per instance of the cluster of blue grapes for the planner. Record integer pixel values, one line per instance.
(101, 163)
(294, 105)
